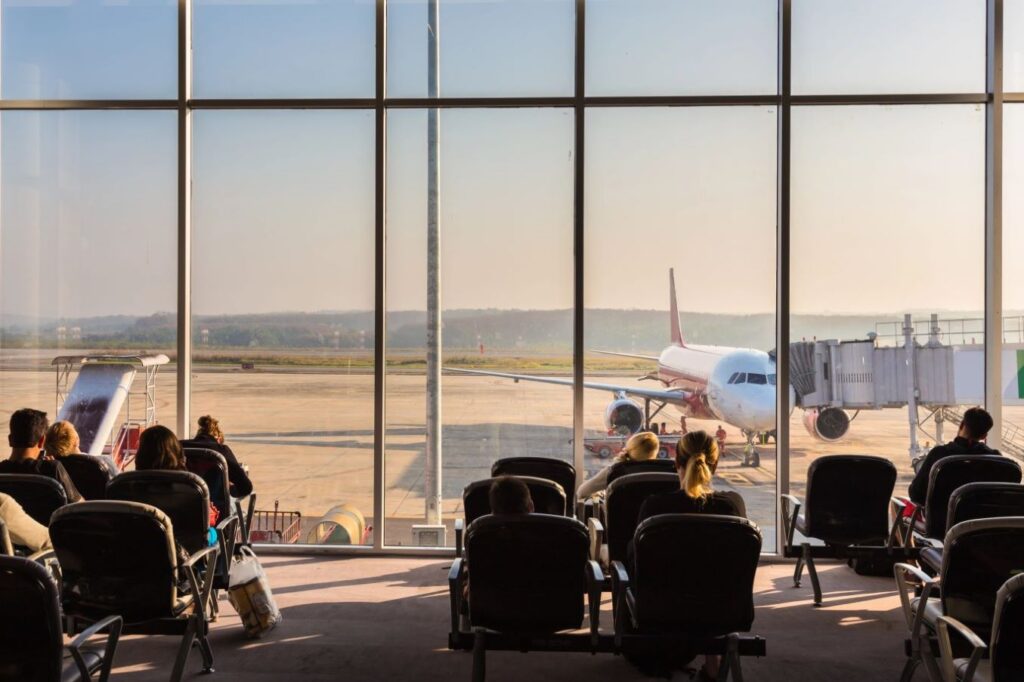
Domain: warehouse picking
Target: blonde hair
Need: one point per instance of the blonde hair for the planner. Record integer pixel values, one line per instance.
(641, 446)
(61, 439)
(697, 459)
(208, 426)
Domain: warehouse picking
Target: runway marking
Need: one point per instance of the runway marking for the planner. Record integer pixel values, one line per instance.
(735, 478)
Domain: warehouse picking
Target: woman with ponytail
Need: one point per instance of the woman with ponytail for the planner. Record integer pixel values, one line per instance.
(210, 436)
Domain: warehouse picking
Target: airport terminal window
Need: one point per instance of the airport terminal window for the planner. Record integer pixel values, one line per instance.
(506, 299)
(681, 47)
(1013, 45)
(687, 183)
(283, 328)
(88, 214)
(901, 228)
(888, 46)
(488, 48)
(1013, 274)
(82, 49)
(283, 48)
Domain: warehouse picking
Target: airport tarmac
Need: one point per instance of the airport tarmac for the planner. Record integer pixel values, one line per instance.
(307, 437)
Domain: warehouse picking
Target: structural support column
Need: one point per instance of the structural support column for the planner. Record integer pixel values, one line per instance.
(184, 349)
(578, 350)
(379, 302)
(782, 406)
(432, 478)
(994, 220)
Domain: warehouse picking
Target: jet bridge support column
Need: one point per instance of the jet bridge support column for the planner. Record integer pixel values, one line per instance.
(908, 346)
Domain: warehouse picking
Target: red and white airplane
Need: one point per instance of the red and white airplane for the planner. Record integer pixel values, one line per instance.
(731, 385)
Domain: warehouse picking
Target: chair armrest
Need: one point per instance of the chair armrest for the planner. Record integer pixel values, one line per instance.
(42, 556)
(928, 584)
(201, 591)
(595, 585)
(980, 649)
(908, 541)
(226, 531)
(455, 594)
(460, 530)
(898, 507)
(790, 511)
(596, 531)
(620, 586)
(113, 625)
(200, 554)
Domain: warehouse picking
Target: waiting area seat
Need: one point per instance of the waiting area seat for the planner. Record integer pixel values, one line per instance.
(846, 509)
(647, 466)
(1000, 661)
(31, 635)
(690, 590)
(557, 470)
(212, 467)
(610, 536)
(121, 558)
(89, 474)
(39, 496)
(548, 498)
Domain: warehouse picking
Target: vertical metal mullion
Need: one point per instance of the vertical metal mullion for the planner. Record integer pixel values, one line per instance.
(994, 218)
(782, 183)
(184, 345)
(379, 327)
(579, 117)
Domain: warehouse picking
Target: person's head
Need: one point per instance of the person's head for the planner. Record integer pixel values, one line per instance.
(28, 429)
(696, 461)
(509, 495)
(641, 447)
(62, 439)
(975, 424)
(159, 449)
(210, 427)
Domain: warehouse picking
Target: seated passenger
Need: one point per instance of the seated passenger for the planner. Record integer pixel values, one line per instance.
(970, 440)
(23, 529)
(696, 461)
(639, 448)
(509, 495)
(211, 437)
(62, 439)
(159, 450)
(27, 438)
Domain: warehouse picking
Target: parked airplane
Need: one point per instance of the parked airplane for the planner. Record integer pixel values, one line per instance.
(732, 385)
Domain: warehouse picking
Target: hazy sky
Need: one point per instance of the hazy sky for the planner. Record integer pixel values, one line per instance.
(888, 202)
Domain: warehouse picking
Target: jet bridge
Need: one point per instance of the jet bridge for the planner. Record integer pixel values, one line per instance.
(831, 376)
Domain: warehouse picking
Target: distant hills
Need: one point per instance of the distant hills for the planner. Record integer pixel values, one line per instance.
(545, 331)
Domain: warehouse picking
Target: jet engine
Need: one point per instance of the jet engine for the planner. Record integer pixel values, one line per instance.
(623, 417)
(829, 424)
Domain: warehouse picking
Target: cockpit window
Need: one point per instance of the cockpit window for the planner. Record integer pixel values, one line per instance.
(732, 379)
(771, 379)
(757, 379)
(741, 378)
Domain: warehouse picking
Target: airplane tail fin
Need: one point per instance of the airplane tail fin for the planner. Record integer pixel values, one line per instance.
(677, 332)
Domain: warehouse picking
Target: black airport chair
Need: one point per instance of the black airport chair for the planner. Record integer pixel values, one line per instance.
(978, 557)
(846, 508)
(39, 496)
(1000, 661)
(528, 577)
(121, 558)
(31, 635)
(647, 466)
(690, 590)
(946, 476)
(557, 470)
(89, 474)
(548, 498)
(623, 499)
(211, 466)
(975, 501)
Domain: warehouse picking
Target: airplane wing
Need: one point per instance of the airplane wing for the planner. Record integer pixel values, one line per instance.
(675, 397)
(652, 358)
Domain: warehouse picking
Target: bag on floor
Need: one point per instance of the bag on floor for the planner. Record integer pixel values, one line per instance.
(249, 592)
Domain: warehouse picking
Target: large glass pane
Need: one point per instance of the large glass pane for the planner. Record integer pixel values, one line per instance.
(283, 297)
(86, 49)
(1013, 280)
(1013, 45)
(283, 48)
(88, 243)
(888, 46)
(670, 191)
(506, 298)
(689, 47)
(887, 224)
(487, 48)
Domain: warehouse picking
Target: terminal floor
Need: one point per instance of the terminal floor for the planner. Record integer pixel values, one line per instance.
(387, 618)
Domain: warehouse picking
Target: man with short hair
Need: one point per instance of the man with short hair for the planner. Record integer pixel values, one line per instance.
(27, 437)
(970, 440)
(509, 495)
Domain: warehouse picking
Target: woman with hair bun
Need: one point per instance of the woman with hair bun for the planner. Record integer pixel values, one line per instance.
(210, 436)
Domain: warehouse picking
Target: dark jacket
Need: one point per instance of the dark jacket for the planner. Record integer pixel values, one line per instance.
(240, 483)
(959, 446)
(43, 467)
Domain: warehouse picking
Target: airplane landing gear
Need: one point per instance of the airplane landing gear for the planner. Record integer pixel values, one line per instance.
(751, 456)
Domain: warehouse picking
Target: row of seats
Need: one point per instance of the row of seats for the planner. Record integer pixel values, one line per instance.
(664, 601)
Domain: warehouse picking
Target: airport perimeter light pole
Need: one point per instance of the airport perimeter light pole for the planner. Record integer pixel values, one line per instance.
(432, 475)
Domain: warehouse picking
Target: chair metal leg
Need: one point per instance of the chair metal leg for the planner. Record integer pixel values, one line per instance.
(207, 652)
(908, 669)
(479, 656)
(809, 560)
(798, 573)
(183, 650)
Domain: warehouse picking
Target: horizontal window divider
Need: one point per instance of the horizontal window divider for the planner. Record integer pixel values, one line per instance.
(681, 100)
(1013, 97)
(284, 103)
(928, 98)
(80, 104)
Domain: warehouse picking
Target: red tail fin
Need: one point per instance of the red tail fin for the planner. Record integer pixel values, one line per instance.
(677, 333)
